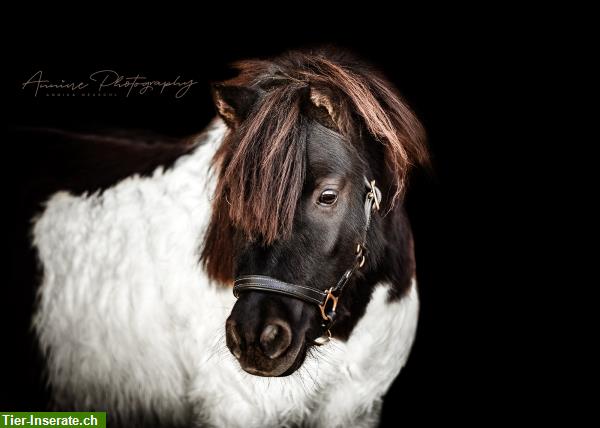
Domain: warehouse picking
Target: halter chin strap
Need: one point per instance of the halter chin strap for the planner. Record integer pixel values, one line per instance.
(326, 300)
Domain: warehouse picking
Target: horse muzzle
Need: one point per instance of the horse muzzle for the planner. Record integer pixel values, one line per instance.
(267, 335)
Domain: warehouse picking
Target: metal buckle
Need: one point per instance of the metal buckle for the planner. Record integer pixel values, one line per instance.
(322, 307)
(360, 254)
(373, 194)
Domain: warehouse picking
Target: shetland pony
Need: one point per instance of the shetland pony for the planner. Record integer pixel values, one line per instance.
(294, 194)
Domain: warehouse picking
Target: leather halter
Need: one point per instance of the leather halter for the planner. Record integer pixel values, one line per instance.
(326, 300)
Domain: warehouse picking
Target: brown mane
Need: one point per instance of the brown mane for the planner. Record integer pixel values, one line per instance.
(261, 164)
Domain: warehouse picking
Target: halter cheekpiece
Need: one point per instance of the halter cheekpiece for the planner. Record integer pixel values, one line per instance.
(326, 300)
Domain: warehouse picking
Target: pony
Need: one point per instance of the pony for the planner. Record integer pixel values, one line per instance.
(292, 196)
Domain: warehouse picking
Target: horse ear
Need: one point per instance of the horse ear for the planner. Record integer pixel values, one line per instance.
(323, 98)
(233, 103)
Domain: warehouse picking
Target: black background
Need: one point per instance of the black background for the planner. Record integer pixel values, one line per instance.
(459, 78)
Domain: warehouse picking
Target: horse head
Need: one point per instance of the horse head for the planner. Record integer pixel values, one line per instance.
(306, 217)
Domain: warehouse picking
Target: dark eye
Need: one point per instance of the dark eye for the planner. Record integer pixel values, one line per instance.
(328, 197)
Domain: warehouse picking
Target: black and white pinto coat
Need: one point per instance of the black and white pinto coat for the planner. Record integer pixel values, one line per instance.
(129, 322)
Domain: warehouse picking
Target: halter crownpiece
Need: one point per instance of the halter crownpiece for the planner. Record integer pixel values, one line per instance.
(326, 300)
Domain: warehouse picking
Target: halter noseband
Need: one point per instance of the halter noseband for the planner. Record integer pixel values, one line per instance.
(326, 300)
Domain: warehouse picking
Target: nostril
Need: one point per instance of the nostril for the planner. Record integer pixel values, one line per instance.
(233, 339)
(275, 338)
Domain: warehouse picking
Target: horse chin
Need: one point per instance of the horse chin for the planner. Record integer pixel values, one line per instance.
(296, 364)
(283, 366)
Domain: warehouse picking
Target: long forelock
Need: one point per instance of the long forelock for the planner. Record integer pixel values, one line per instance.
(264, 175)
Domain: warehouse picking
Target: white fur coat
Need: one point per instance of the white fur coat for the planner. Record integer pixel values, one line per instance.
(129, 322)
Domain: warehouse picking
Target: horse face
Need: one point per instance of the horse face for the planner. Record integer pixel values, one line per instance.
(270, 334)
(289, 201)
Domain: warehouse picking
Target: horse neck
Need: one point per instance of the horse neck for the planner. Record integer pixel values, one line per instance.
(54, 160)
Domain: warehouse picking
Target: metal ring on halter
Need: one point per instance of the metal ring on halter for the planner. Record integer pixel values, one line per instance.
(322, 340)
(373, 195)
(323, 307)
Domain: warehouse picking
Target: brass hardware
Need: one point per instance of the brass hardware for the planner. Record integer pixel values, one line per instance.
(373, 195)
(359, 253)
(324, 305)
(323, 339)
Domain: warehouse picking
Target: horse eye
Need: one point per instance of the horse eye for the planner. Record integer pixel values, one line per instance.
(328, 197)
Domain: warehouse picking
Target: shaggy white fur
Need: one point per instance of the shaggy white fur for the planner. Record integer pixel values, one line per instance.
(129, 321)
